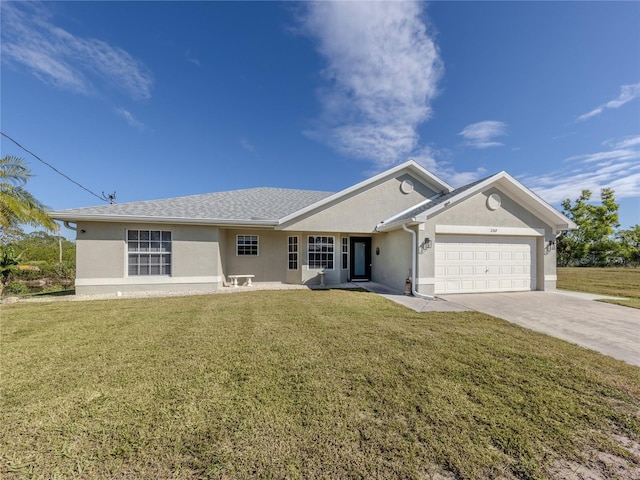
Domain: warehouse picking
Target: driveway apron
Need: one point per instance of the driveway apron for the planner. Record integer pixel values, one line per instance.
(610, 329)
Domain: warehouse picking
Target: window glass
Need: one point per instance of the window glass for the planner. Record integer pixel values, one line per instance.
(139, 245)
(321, 252)
(247, 245)
(293, 253)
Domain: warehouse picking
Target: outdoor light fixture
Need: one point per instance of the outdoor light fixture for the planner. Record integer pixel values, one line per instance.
(552, 243)
(426, 243)
(377, 250)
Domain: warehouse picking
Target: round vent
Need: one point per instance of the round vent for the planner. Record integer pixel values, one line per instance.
(406, 186)
(494, 201)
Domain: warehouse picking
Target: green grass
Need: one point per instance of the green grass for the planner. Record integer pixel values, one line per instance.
(615, 282)
(298, 384)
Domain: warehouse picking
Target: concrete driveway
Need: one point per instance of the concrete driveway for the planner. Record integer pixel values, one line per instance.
(609, 329)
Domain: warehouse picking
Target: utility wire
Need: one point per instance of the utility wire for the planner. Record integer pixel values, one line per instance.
(105, 198)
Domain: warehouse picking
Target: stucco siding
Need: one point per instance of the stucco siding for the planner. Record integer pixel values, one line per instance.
(100, 250)
(361, 212)
(474, 211)
(101, 259)
(270, 265)
(391, 267)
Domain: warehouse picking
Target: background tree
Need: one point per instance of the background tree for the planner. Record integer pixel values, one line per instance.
(9, 261)
(592, 243)
(629, 244)
(41, 247)
(17, 205)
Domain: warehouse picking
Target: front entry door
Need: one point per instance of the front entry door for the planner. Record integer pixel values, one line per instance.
(360, 258)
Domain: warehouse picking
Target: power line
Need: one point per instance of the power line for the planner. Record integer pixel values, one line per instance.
(105, 198)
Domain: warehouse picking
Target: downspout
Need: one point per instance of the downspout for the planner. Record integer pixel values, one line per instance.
(68, 225)
(414, 261)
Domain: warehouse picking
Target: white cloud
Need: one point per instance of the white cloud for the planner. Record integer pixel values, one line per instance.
(248, 146)
(443, 168)
(57, 57)
(381, 75)
(130, 119)
(627, 142)
(190, 58)
(627, 93)
(618, 169)
(483, 134)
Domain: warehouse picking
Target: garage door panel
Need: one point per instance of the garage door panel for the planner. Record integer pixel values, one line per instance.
(484, 264)
(466, 270)
(466, 255)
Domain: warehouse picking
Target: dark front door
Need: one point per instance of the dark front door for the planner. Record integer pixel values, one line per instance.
(360, 258)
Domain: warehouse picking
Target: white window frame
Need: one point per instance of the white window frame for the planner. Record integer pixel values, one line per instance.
(257, 245)
(323, 243)
(345, 253)
(160, 250)
(293, 255)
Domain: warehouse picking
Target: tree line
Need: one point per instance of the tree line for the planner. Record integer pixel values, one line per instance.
(598, 241)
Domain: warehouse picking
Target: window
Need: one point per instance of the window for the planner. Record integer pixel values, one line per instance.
(247, 245)
(345, 253)
(149, 252)
(293, 253)
(321, 252)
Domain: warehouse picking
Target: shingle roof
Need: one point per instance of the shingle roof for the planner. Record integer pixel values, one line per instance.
(254, 204)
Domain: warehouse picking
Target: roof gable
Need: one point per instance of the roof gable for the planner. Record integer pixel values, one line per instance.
(526, 198)
(410, 167)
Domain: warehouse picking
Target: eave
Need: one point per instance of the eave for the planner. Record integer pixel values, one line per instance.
(164, 220)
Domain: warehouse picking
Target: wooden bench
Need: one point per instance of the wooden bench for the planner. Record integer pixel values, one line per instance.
(234, 279)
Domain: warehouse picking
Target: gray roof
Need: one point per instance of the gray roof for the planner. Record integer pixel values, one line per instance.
(250, 205)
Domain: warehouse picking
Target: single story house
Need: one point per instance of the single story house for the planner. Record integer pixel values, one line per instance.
(491, 235)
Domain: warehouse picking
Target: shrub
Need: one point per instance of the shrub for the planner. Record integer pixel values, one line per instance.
(16, 288)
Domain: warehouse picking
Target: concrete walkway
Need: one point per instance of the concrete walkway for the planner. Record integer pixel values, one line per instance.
(610, 329)
(414, 303)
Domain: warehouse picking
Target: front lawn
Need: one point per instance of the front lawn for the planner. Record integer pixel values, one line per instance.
(615, 282)
(302, 384)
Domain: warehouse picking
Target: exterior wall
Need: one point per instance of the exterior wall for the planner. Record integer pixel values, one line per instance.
(101, 259)
(361, 212)
(270, 265)
(391, 267)
(272, 262)
(473, 212)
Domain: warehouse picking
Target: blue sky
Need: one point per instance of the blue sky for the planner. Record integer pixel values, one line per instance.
(162, 99)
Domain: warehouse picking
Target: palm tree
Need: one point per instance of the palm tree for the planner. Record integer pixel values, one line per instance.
(17, 205)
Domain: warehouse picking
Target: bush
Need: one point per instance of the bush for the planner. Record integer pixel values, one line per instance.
(16, 288)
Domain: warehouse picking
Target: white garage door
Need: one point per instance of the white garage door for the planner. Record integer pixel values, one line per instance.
(465, 264)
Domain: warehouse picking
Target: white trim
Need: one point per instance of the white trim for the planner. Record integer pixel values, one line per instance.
(426, 280)
(296, 253)
(525, 197)
(257, 245)
(344, 253)
(410, 165)
(550, 278)
(332, 253)
(239, 223)
(145, 280)
(389, 221)
(487, 230)
(127, 252)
